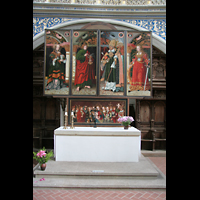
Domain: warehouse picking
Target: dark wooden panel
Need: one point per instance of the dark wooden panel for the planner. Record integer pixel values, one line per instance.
(159, 109)
(36, 109)
(144, 112)
(51, 109)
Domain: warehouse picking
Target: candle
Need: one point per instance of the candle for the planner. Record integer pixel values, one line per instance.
(66, 113)
(72, 113)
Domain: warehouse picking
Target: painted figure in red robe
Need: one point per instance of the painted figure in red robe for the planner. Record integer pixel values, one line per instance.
(140, 64)
(84, 69)
(114, 115)
(81, 115)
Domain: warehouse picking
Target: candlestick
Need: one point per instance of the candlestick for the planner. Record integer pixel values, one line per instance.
(72, 127)
(66, 116)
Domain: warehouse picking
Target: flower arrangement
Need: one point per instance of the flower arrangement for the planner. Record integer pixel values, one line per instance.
(41, 156)
(126, 120)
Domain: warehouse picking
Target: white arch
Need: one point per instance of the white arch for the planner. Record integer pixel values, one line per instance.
(157, 41)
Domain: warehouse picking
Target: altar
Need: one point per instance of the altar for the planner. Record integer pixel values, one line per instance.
(101, 144)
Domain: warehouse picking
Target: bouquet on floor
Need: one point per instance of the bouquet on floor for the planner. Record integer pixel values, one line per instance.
(42, 157)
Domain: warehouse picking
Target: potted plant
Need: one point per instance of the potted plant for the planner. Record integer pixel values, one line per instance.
(42, 157)
(126, 121)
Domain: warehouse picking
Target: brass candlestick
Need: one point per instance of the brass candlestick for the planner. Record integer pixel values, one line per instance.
(66, 116)
(72, 127)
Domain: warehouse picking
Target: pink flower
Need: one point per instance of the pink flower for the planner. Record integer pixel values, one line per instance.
(127, 119)
(41, 153)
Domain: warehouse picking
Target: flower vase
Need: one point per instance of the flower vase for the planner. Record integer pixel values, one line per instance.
(43, 166)
(125, 127)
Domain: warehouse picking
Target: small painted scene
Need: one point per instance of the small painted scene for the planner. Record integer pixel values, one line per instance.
(99, 111)
(112, 63)
(57, 62)
(84, 63)
(139, 64)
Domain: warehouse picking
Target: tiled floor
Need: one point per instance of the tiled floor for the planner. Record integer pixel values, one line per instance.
(81, 194)
(160, 162)
(100, 194)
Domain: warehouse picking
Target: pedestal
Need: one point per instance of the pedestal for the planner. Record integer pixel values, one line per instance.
(102, 144)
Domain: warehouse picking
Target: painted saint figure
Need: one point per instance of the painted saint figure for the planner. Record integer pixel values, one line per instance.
(112, 67)
(140, 64)
(84, 75)
(56, 79)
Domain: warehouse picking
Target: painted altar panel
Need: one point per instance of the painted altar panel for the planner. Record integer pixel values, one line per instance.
(112, 63)
(99, 63)
(103, 111)
(139, 64)
(84, 63)
(57, 62)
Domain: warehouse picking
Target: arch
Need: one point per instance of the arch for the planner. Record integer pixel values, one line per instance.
(99, 25)
(157, 41)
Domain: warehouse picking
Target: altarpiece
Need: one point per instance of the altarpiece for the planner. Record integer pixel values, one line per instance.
(97, 71)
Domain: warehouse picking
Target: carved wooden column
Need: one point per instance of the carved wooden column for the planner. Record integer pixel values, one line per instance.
(138, 114)
(154, 141)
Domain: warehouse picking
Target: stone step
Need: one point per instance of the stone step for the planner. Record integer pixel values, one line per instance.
(97, 183)
(63, 169)
(58, 174)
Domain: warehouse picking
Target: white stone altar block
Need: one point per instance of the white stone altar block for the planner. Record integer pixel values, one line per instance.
(101, 144)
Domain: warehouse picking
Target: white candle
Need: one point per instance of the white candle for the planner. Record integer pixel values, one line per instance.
(72, 113)
(66, 113)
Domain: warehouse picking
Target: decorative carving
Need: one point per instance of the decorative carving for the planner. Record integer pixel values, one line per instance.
(157, 26)
(159, 94)
(37, 91)
(135, 2)
(111, 2)
(85, 1)
(63, 103)
(156, 51)
(36, 64)
(154, 65)
(159, 67)
(107, 2)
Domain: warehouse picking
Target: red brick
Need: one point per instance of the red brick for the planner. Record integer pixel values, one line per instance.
(154, 195)
(58, 198)
(138, 195)
(121, 195)
(162, 195)
(97, 194)
(130, 195)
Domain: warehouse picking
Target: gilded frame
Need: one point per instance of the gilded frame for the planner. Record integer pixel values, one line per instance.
(127, 52)
(139, 64)
(57, 62)
(106, 113)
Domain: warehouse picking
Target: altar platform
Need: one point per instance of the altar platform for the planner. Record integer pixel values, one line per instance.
(101, 144)
(129, 175)
(103, 157)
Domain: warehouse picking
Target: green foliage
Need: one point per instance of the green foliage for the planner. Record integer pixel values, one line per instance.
(41, 156)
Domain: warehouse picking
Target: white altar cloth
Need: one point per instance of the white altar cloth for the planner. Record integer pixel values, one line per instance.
(101, 144)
